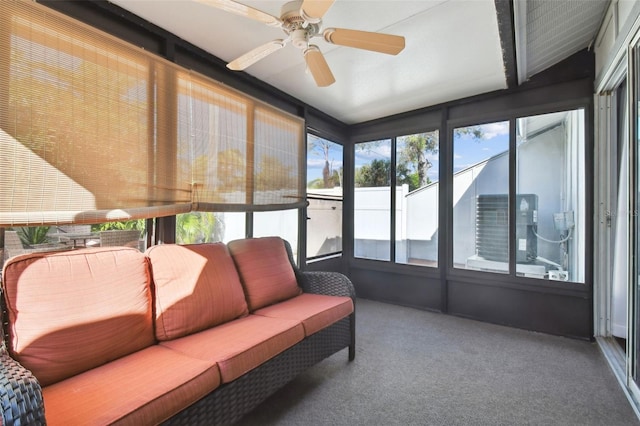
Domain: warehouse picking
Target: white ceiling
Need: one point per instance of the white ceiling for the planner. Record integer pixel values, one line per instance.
(452, 51)
(453, 48)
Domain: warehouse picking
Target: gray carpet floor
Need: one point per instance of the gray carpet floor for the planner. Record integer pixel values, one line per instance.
(421, 368)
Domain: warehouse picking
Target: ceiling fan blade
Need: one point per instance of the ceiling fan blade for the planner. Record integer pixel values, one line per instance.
(314, 10)
(377, 42)
(255, 55)
(242, 10)
(318, 66)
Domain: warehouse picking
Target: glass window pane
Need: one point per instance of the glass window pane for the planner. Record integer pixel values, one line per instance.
(550, 207)
(372, 200)
(481, 197)
(417, 171)
(281, 223)
(209, 227)
(34, 239)
(324, 194)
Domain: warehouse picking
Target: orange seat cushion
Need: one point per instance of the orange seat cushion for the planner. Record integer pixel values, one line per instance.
(196, 287)
(241, 345)
(265, 270)
(143, 388)
(315, 311)
(75, 310)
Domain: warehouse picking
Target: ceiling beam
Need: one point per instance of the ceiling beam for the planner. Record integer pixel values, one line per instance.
(506, 30)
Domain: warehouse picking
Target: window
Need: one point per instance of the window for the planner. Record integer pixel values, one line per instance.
(481, 197)
(324, 195)
(372, 200)
(208, 227)
(281, 223)
(107, 131)
(50, 238)
(417, 170)
(550, 205)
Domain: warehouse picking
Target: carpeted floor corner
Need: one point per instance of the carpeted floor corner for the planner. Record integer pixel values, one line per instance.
(421, 368)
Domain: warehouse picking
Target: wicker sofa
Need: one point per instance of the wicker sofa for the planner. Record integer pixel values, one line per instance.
(194, 334)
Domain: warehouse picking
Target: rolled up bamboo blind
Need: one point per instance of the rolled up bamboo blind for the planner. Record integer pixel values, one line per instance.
(93, 129)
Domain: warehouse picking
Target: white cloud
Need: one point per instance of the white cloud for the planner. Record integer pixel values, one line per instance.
(492, 130)
(315, 163)
(373, 151)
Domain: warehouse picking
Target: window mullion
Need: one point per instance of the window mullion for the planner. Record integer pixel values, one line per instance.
(512, 197)
(393, 192)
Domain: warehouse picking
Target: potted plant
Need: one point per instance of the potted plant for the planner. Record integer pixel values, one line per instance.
(33, 235)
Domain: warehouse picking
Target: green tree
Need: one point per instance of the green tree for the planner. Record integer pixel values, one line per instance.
(334, 181)
(415, 150)
(413, 156)
(232, 170)
(322, 148)
(273, 174)
(137, 224)
(199, 227)
(377, 173)
(404, 175)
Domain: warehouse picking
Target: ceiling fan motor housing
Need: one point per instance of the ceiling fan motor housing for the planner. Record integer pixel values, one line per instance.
(295, 24)
(300, 38)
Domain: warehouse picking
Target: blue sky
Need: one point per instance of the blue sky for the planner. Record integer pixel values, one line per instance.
(468, 151)
(315, 159)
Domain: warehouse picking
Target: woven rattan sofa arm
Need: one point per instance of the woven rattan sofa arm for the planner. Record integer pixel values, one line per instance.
(330, 283)
(21, 400)
(321, 282)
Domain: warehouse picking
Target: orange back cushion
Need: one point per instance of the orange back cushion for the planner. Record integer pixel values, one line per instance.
(196, 287)
(265, 270)
(72, 311)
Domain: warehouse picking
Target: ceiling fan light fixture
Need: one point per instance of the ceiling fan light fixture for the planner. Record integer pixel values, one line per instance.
(300, 38)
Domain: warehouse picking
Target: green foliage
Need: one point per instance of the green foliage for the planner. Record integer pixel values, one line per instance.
(137, 224)
(33, 235)
(333, 181)
(404, 175)
(316, 184)
(198, 227)
(474, 131)
(414, 153)
(273, 174)
(321, 148)
(377, 173)
(413, 163)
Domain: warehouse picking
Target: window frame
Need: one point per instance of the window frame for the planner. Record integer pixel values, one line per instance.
(304, 222)
(511, 279)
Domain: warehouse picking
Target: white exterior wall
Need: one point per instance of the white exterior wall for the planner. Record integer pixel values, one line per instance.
(324, 226)
(489, 177)
(372, 220)
(422, 213)
(417, 212)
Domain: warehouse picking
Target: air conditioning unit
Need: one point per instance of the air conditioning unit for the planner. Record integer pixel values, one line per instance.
(492, 227)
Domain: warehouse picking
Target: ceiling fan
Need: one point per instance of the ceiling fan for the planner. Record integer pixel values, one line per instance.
(301, 20)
